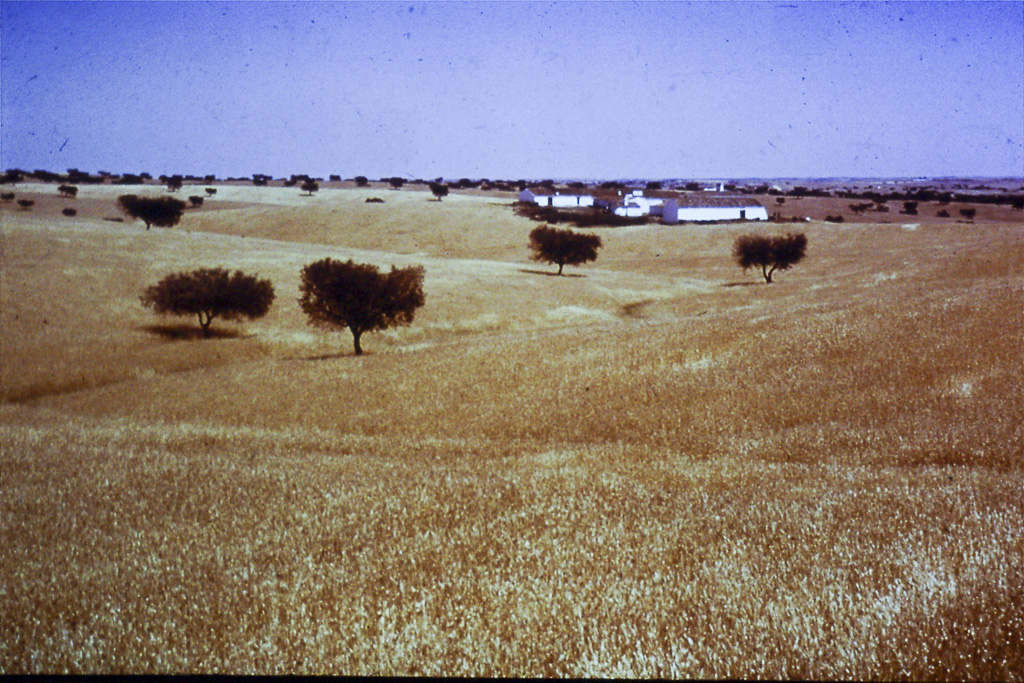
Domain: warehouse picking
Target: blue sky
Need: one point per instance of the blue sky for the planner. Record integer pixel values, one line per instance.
(514, 89)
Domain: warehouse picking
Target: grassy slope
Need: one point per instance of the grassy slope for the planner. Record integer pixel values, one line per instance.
(654, 469)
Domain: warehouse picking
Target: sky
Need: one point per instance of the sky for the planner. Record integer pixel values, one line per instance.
(508, 90)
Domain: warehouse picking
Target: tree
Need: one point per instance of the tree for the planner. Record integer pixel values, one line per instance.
(174, 183)
(196, 200)
(7, 196)
(780, 252)
(563, 246)
(26, 204)
(310, 186)
(69, 212)
(396, 182)
(360, 297)
(68, 190)
(163, 212)
(969, 214)
(362, 181)
(210, 191)
(209, 293)
(439, 190)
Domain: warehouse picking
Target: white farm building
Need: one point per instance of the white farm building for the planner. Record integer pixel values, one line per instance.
(673, 207)
(700, 208)
(545, 197)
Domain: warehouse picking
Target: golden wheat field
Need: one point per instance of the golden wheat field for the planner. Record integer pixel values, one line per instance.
(656, 466)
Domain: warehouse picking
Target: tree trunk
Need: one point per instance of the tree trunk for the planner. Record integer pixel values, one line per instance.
(205, 324)
(355, 340)
(767, 273)
(560, 266)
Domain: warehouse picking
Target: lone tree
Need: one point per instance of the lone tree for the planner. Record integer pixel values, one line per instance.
(360, 297)
(196, 200)
(68, 190)
(781, 252)
(439, 189)
(174, 183)
(362, 181)
(26, 204)
(396, 182)
(163, 212)
(209, 293)
(210, 191)
(310, 186)
(563, 246)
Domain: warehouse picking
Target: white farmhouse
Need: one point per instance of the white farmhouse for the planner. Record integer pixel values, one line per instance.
(545, 197)
(704, 208)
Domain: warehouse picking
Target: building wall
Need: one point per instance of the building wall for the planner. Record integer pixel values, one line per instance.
(674, 214)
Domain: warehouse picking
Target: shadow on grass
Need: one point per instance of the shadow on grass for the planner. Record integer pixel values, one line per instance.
(740, 284)
(549, 273)
(183, 332)
(327, 356)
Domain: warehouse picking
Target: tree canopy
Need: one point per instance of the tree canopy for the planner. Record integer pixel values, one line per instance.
(439, 189)
(780, 252)
(563, 246)
(360, 297)
(163, 212)
(209, 293)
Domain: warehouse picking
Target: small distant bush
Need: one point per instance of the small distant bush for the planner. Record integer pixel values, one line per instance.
(909, 208)
(68, 190)
(69, 212)
(374, 200)
(396, 182)
(196, 200)
(943, 214)
(780, 252)
(439, 190)
(7, 196)
(26, 204)
(969, 214)
(780, 200)
(210, 293)
(362, 181)
(835, 219)
(210, 191)
(563, 247)
(335, 178)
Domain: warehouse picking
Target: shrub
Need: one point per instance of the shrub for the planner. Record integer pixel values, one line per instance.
(210, 191)
(68, 190)
(943, 214)
(396, 182)
(563, 246)
(196, 200)
(208, 293)
(360, 297)
(69, 212)
(835, 219)
(780, 252)
(969, 214)
(909, 208)
(163, 212)
(362, 181)
(26, 204)
(174, 183)
(7, 196)
(374, 200)
(439, 190)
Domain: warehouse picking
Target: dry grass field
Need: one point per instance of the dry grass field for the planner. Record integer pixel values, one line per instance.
(655, 467)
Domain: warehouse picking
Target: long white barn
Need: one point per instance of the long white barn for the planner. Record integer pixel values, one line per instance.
(697, 208)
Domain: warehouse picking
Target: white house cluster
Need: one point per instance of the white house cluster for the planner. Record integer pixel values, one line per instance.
(673, 207)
